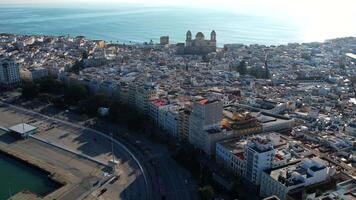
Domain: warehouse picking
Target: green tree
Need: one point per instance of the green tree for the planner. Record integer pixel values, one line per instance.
(242, 67)
(73, 94)
(306, 56)
(259, 72)
(50, 85)
(206, 192)
(353, 80)
(92, 105)
(114, 111)
(29, 90)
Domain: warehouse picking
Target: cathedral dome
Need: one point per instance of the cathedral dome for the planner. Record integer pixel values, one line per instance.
(199, 36)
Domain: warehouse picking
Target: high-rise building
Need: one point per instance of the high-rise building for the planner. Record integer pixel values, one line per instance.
(143, 93)
(183, 124)
(206, 114)
(9, 73)
(259, 154)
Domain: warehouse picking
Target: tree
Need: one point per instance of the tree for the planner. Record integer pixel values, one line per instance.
(92, 105)
(29, 90)
(73, 94)
(306, 56)
(353, 80)
(242, 68)
(50, 85)
(259, 72)
(206, 192)
(114, 111)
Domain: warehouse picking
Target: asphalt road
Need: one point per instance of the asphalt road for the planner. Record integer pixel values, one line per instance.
(139, 189)
(157, 173)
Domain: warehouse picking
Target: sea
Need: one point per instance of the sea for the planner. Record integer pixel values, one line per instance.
(136, 24)
(16, 176)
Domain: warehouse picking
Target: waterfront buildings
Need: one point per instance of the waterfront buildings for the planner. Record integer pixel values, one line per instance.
(23, 130)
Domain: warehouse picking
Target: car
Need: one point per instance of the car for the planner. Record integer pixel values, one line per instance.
(102, 191)
(95, 183)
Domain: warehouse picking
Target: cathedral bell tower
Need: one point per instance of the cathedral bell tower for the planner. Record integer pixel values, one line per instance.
(213, 36)
(188, 40)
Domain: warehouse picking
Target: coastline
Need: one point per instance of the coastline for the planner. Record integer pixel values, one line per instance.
(155, 43)
(45, 168)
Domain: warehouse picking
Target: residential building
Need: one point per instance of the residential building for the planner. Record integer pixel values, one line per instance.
(259, 154)
(344, 190)
(142, 96)
(9, 73)
(351, 128)
(183, 124)
(281, 180)
(33, 73)
(206, 115)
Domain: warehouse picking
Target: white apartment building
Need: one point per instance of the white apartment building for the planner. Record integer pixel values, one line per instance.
(274, 123)
(168, 119)
(33, 73)
(249, 157)
(212, 136)
(9, 73)
(142, 96)
(344, 191)
(206, 114)
(153, 110)
(259, 154)
(281, 180)
(230, 154)
(164, 116)
(131, 94)
(183, 124)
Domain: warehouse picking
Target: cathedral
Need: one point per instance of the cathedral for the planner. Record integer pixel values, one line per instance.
(199, 45)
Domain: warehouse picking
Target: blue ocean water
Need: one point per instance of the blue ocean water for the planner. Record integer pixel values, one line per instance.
(140, 24)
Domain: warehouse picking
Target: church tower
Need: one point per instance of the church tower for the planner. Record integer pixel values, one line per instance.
(213, 40)
(188, 40)
(213, 36)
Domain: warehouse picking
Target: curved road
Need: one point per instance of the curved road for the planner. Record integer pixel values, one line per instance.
(148, 192)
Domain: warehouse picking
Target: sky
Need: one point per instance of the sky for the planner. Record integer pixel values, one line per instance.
(328, 17)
